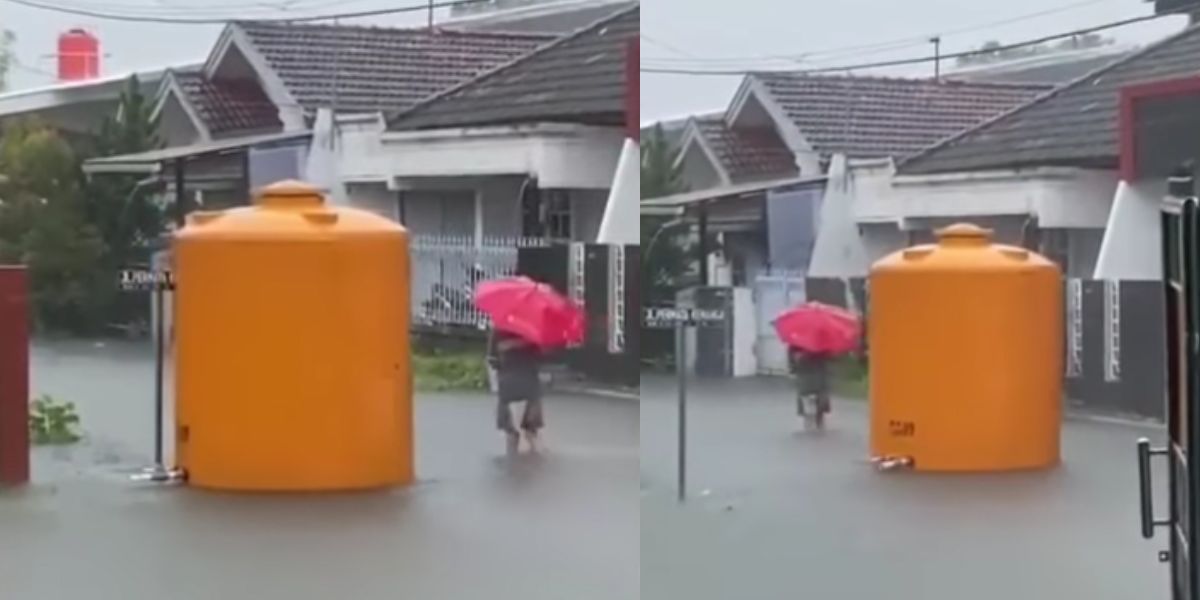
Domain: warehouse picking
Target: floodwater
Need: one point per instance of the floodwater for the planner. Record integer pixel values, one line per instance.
(777, 513)
(478, 525)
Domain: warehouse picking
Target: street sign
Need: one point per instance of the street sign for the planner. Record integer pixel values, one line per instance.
(682, 318)
(145, 280)
(669, 317)
(156, 281)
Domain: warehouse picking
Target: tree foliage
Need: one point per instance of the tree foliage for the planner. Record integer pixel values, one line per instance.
(44, 226)
(75, 234)
(664, 261)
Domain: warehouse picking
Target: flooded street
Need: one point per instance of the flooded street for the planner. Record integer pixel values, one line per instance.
(478, 525)
(774, 513)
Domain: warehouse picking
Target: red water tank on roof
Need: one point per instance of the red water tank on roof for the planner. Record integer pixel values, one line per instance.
(78, 56)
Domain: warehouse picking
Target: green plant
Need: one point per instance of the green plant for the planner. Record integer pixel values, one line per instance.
(52, 422)
(446, 372)
(850, 378)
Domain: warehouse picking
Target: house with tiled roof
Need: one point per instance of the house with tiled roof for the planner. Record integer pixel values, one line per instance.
(526, 149)
(1081, 175)
(243, 119)
(1068, 162)
(774, 144)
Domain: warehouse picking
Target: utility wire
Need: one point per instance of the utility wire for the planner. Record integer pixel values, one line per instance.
(207, 9)
(110, 16)
(866, 49)
(926, 59)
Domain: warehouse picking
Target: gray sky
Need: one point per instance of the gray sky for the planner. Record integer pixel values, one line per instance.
(676, 32)
(137, 46)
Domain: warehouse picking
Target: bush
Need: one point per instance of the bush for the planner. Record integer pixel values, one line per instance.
(850, 377)
(52, 422)
(445, 372)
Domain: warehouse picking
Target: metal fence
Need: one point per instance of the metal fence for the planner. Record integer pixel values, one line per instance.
(445, 270)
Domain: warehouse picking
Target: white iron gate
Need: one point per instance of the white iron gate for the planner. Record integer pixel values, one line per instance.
(774, 293)
(445, 270)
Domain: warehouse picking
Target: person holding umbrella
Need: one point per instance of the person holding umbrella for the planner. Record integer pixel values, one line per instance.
(517, 364)
(811, 373)
(815, 334)
(529, 320)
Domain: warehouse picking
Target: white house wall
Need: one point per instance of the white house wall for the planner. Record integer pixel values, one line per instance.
(375, 198)
(1059, 198)
(559, 157)
(1081, 201)
(696, 169)
(362, 154)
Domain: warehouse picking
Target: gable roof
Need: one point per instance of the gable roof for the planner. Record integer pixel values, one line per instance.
(747, 153)
(876, 117)
(376, 68)
(1075, 125)
(579, 78)
(227, 106)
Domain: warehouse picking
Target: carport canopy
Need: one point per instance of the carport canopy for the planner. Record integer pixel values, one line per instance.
(678, 204)
(153, 161)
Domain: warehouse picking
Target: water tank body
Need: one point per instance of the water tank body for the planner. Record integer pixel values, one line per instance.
(78, 56)
(292, 347)
(966, 340)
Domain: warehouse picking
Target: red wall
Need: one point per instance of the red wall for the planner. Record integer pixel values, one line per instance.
(14, 376)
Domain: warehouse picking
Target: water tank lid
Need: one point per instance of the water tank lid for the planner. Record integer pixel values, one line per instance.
(290, 193)
(964, 233)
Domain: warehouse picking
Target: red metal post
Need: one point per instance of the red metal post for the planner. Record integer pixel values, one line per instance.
(14, 376)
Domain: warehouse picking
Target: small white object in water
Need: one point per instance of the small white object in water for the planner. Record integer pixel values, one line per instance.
(99, 344)
(706, 493)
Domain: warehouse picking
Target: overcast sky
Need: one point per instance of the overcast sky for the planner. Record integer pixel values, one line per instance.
(677, 32)
(137, 46)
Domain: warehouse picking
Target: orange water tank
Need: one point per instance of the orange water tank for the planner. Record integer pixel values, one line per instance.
(292, 347)
(966, 341)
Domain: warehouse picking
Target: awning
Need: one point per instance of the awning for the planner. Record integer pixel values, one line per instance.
(677, 203)
(151, 162)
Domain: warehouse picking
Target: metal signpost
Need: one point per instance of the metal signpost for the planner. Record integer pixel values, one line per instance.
(680, 319)
(157, 281)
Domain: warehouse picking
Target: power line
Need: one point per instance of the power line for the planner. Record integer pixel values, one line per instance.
(109, 16)
(207, 9)
(872, 48)
(925, 59)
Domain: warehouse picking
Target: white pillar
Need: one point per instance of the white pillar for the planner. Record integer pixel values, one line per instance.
(622, 219)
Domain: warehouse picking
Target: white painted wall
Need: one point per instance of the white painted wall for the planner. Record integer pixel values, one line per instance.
(362, 157)
(560, 156)
(374, 197)
(696, 170)
(1060, 198)
(886, 207)
(838, 252)
(175, 127)
(1131, 248)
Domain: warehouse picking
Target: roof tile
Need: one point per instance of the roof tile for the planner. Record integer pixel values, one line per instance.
(376, 68)
(872, 117)
(1075, 125)
(229, 105)
(580, 78)
(747, 154)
